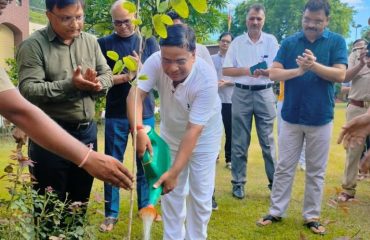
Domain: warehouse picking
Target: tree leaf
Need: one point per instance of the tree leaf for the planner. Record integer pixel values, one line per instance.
(143, 77)
(137, 22)
(8, 169)
(159, 26)
(166, 19)
(162, 7)
(180, 7)
(129, 6)
(118, 67)
(113, 55)
(130, 63)
(199, 5)
(146, 32)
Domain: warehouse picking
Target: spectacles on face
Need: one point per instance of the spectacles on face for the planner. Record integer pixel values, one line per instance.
(68, 20)
(259, 19)
(225, 41)
(119, 23)
(317, 23)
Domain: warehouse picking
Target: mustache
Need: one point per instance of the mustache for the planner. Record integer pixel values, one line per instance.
(311, 29)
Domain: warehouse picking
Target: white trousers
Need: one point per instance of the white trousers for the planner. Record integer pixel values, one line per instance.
(191, 200)
(290, 146)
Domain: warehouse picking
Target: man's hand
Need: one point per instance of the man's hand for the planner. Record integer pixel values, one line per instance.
(261, 72)
(355, 131)
(307, 60)
(168, 180)
(109, 170)
(86, 82)
(143, 143)
(19, 136)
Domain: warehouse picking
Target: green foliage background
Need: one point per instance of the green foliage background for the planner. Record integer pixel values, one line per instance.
(283, 18)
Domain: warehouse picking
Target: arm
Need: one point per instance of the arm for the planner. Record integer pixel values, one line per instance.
(278, 73)
(187, 145)
(143, 141)
(235, 72)
(353, 69)
(336, 73)
(28, 117)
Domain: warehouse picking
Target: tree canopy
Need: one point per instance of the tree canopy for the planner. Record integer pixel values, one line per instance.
(283, 18)
(98, 19)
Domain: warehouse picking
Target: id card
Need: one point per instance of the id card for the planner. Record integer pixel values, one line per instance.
(261, 65)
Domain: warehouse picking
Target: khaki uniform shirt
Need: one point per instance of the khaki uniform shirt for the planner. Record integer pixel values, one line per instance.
(5, 83)
(360, 89)
(46, 67)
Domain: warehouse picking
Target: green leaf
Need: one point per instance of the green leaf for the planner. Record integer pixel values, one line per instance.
(8, 169)
(143, 77)
(118, 67)
(159, 26)
(199, 5)
(180, 7)
(166, 19)
(162, 7)
(137, 22)
(146, 32)
(113, 55)
(129, 6)
(130, 63)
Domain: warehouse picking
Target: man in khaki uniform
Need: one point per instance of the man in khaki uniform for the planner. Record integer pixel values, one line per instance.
(359, 103)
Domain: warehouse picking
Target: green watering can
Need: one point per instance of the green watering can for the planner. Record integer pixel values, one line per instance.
(154, 166)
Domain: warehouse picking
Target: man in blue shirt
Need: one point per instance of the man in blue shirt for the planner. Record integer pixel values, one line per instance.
(309, 62)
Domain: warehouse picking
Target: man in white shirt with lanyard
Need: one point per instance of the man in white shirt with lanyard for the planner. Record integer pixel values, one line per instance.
(190, 124)
(252, 96)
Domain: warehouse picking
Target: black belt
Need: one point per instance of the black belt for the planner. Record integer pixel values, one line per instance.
(79, 126)
(253, 87)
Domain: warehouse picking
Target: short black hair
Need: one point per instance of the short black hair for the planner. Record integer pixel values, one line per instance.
(317, 5)
(225, 34)
(174, 16)
(257, 7)
(179, 35)
(50, 4)
(359, 40)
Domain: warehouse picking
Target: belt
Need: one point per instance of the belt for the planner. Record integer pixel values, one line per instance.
(79, 126)
(362, 104)
(253, 87)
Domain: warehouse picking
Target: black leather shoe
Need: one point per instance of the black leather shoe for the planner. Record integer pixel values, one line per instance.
(238, 191)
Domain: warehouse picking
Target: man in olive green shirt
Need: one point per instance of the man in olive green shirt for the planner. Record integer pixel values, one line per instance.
(62, 70)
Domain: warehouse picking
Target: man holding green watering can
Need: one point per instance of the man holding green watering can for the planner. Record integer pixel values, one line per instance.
(190, 124)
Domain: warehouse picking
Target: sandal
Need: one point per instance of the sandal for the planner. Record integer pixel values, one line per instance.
(108, 224)
(315, 227)
(267, 220)
(345, 197)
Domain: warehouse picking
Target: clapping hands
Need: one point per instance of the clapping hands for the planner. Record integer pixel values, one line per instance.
(87, 81)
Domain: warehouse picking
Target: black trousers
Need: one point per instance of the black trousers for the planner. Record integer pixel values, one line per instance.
(65, 178)
(226, 119)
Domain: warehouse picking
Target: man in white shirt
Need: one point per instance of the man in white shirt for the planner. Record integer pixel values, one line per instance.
(190, 120)
(252, 96)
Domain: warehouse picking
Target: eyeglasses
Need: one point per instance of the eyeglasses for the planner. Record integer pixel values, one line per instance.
(118, 23)
(259, 19)
(307, 21)
(225, 41)
(68, 20)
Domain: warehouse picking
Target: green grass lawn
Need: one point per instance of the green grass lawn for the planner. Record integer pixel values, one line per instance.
(236, 219)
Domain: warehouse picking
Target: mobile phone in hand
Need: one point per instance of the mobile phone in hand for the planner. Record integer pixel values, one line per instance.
(368, 50)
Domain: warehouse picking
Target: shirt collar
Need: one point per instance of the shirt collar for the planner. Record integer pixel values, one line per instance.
(249, 40)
